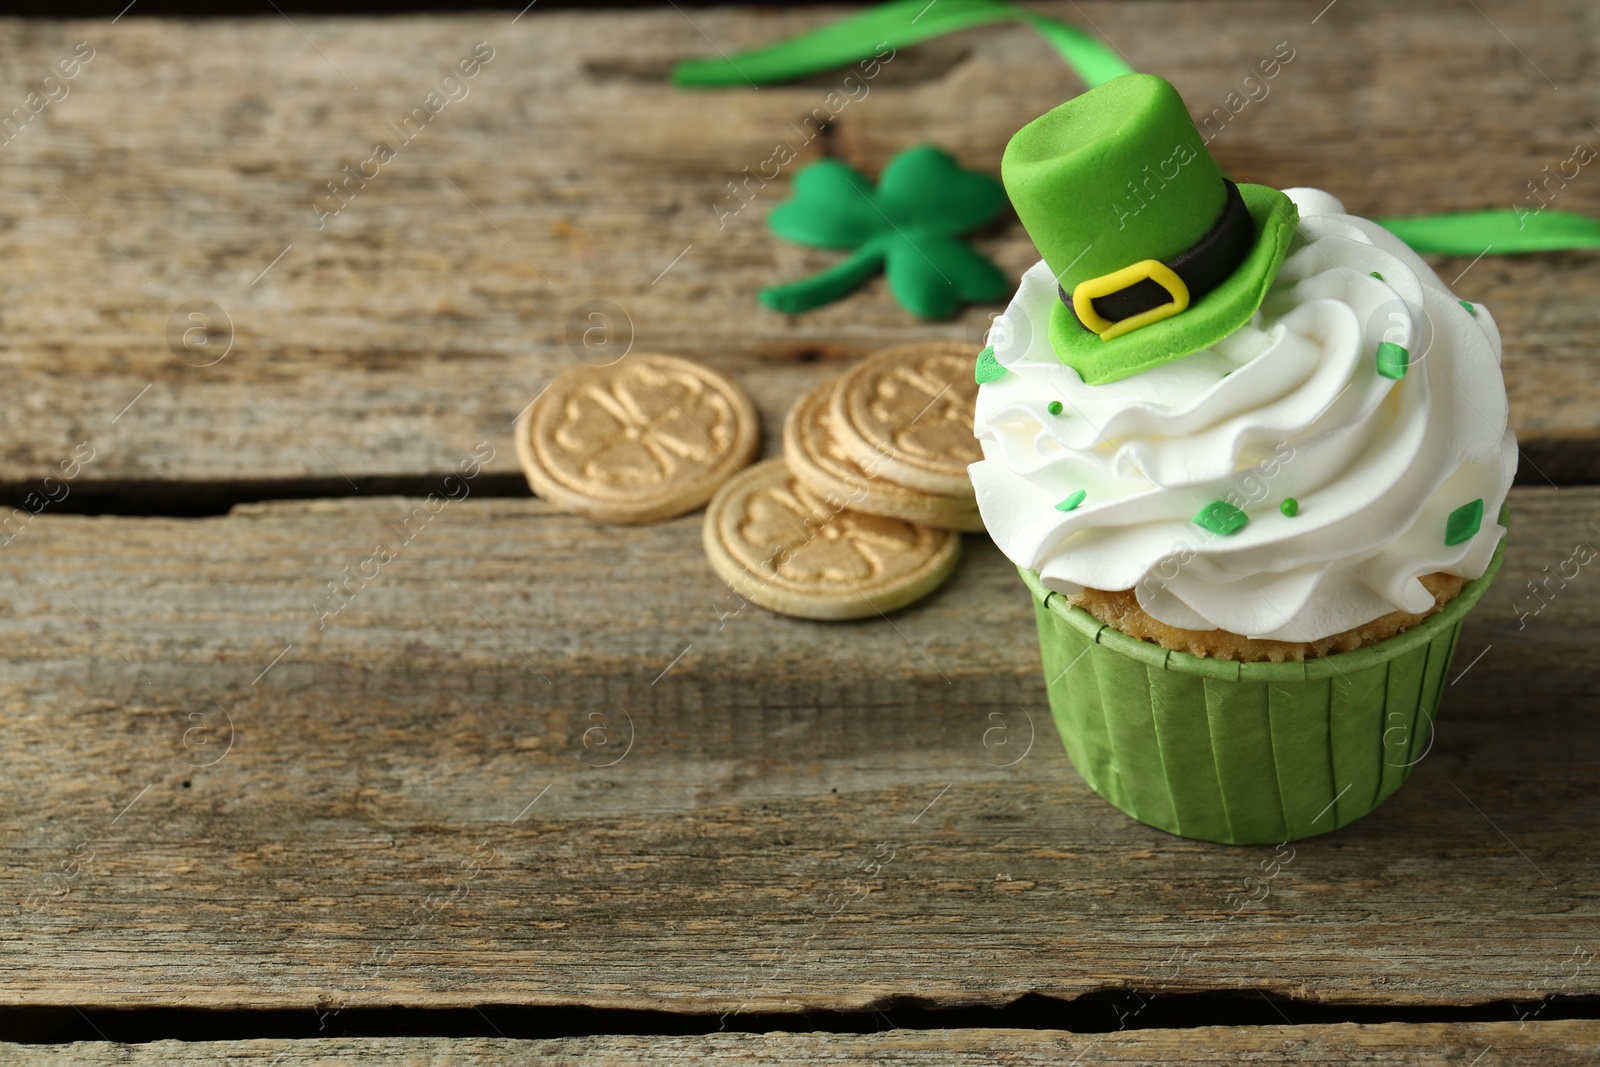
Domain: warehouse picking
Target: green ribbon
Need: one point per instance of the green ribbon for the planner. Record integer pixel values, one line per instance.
(907, 22)
(893, 25)
(1474, 233)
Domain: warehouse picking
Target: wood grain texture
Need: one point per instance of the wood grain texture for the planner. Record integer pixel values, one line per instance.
(541, 761)
(1539, 1044)
(385, 340)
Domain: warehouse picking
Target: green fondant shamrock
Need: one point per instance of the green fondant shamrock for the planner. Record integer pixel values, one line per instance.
(907, 227)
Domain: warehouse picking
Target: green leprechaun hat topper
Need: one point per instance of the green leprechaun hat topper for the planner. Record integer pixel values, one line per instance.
(1156, 252)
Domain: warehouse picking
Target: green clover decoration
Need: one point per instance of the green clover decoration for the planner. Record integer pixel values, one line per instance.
(908, 227)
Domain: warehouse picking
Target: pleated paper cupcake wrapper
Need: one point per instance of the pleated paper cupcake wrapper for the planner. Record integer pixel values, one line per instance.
(1244, 753)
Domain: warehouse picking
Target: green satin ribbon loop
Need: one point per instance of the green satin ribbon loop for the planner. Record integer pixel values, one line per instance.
(1095, 63)
(893, 25)
(1474, 233)
(900, 23)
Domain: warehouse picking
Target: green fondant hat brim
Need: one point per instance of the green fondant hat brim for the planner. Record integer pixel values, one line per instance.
(1203, 323)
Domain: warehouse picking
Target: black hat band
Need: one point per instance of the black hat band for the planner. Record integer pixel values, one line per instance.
(1202, 266)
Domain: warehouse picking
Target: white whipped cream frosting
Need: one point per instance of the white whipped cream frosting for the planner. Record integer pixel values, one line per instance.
(1291, 405)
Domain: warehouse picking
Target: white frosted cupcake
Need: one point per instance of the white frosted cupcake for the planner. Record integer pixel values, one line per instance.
(1303, 463)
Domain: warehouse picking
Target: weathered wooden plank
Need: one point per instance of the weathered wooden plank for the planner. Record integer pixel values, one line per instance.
(540, 761)
(190, 162)
(1539, 1044)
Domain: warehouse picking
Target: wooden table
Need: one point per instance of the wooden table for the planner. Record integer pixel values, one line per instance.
(542, 787)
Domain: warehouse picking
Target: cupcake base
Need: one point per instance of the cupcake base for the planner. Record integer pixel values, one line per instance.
(1244, 753)
(1121, 611)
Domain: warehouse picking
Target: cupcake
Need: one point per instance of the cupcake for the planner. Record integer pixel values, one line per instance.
(1250, 456)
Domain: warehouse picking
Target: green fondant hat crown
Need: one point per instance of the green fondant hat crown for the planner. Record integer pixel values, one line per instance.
(1157, 254)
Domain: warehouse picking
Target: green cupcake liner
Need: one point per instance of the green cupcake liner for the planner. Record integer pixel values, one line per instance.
(1244, 753)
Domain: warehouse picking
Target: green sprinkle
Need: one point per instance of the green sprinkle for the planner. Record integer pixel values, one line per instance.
(1221, 517)
(1054, 407)
(1378, 276)
(988, 368)
(1392, 360)
(1463, 522)
(1290, 507)
(1072, 501)
(1466, 305)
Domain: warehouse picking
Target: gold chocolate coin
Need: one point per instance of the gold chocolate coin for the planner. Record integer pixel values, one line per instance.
(909, 410)
(640, 440)
(814, 454)
(780, 546)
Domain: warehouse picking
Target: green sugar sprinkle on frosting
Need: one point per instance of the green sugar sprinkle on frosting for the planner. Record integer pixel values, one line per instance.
(1290, 507)
(1378, 276)
(1466, 305)
(1054, 407)
(1221, 517)
(1463, 522)
(988, 368)
(1072, 501)
(1392, 360)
